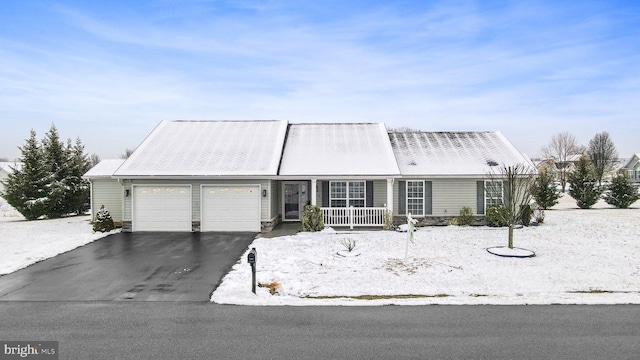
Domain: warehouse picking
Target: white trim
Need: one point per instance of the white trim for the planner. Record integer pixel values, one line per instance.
(283, 195)
(501, 198)
(406, 198)
(347, 198)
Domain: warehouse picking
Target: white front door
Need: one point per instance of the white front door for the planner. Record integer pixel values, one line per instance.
(295, 197)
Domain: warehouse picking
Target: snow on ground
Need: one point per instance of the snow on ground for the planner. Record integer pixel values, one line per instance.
(23, 243)
(582, 257)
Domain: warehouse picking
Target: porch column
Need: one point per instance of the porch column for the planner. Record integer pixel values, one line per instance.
(314, 191)
(390, 195)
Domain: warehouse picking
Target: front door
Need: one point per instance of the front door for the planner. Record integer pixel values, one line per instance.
(295, 198)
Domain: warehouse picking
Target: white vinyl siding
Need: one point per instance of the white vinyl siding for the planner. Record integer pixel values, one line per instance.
(109, 193)
(451, 195)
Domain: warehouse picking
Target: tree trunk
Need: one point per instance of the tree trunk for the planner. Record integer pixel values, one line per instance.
(511, 236)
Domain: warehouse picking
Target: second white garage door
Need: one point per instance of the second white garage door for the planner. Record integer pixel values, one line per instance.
(230, 208)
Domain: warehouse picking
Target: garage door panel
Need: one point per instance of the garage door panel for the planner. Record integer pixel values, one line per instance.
(231, 208)
(162, 208)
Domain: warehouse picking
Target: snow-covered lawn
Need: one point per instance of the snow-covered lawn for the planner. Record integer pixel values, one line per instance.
(582, 257)
(23, 243)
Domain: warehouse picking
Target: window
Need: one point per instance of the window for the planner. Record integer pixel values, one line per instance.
(347, 193)
(415, 198)
(493, 193)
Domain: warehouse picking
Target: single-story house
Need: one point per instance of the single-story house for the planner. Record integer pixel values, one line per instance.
(6, 168)
(251, 175)
(632, 168)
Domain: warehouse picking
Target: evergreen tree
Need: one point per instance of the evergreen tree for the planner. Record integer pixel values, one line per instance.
(584, 186)
(78, 189)
(25, 188)
(103, 222)
(622, 193)
(55, 156)
(544, 190)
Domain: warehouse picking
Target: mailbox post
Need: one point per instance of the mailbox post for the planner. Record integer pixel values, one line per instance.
(251, 258)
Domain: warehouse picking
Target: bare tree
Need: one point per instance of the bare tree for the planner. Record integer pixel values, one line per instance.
(518, 180)
(561, 148)
(94, 159)
(126, 154)
(603, 154)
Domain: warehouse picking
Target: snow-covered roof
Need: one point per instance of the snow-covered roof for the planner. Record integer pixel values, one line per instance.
(454, 153)
(633, 162)
(208, 148)
(104, 168)
(361, 149)
(8, 166)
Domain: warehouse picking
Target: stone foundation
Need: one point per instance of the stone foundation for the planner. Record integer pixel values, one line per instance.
(267, 226)
(195, 226)
(127, 226)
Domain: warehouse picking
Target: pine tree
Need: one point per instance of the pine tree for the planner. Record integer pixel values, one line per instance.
(55, 161)
(584, 186)
(25, 188)
(544, 190)
(103, 222)
(622, 193)
(78, 189)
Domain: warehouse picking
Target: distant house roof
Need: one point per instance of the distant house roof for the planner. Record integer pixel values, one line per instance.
(454, 153)
(633, 162)
(208, 148)
(104, 169)
(8, 166)
(360, 149)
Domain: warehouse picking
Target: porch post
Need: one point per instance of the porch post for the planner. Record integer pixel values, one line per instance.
(314, 191)
(390, 195)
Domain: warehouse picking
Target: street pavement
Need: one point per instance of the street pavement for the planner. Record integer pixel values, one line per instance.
(191, 330)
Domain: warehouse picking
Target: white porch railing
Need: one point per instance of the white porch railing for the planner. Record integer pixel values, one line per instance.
(354, 216)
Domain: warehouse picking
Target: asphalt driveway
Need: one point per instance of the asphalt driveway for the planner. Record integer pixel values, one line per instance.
(131, 267)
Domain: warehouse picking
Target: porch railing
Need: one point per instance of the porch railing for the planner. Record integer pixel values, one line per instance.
(354, 216)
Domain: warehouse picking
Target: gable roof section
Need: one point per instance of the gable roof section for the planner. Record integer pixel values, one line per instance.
(453, 153)
(104, 169)
(208, 148)
(360, 149)
(633, 162)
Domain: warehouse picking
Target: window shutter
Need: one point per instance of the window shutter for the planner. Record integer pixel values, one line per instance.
(369, 194)
(505, 193)
(428, 196)
(480, 194)
(402, 197)
(325, 193)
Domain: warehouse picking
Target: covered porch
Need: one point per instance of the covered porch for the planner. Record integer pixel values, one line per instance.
(344, 202)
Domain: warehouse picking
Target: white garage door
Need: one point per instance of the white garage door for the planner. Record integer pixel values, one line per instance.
(161, 208)
(230, 208)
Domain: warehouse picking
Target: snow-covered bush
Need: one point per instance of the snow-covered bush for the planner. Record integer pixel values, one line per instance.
(466, 216)
(538, 213)
(496, 215)
(544, 190)
(312, 218)
(621, 193)
(103, 222)
(584, 186)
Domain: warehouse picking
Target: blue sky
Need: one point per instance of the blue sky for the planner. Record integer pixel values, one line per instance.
(109, 71)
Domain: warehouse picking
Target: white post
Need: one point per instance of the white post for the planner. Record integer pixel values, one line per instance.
(410, 223)
(351, 217)
(314, 191)
(390, 195)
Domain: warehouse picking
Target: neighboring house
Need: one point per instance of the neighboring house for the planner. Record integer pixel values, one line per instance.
(442, 172)
(6, 168)
(105, 191)
(251, 175)
(632, 168)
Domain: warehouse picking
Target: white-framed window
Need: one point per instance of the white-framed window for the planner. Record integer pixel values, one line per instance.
(415, 198)
(493, 193)
(347, 193)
